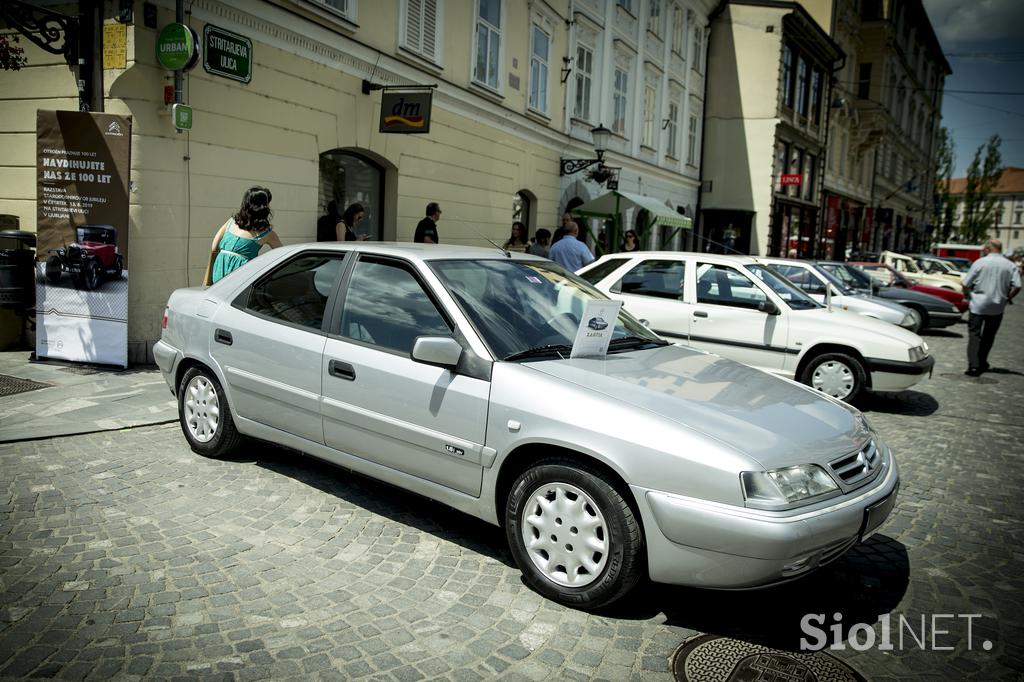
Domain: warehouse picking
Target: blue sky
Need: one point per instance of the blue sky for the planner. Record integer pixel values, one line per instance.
(984, 44)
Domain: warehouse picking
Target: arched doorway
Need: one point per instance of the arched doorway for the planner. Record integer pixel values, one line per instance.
(524, 209)
(349, 177)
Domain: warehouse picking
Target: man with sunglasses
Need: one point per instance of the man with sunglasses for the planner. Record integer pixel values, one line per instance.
(426, 229)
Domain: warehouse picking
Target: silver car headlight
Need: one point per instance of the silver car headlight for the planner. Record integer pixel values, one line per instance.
(787, 487)
(918, 353)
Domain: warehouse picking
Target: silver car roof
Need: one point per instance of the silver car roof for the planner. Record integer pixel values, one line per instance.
(424, 252)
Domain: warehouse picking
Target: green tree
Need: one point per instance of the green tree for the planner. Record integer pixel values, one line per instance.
(943, 207)
(979, 201)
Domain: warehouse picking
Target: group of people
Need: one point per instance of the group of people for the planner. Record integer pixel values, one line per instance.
(245, 233)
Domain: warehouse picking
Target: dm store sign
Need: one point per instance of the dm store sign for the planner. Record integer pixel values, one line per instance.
(405, 112)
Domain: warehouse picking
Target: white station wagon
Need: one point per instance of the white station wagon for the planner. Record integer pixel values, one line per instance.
(743, 310)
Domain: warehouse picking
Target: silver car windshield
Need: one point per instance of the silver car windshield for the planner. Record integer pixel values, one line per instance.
(530, 308)
(794, 297)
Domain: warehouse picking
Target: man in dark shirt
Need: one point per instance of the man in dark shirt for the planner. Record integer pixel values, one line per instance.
(326, 227)
(426, 230)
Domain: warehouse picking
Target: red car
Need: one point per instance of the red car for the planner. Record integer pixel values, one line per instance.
(887, 276)
(91, 259)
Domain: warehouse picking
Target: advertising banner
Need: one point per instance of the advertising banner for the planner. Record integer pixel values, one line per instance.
(82, 166)
(405, 112)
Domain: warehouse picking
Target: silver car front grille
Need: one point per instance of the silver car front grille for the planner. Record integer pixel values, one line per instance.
(858, 467)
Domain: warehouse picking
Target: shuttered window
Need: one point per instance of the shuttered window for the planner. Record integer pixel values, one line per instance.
(421, 19)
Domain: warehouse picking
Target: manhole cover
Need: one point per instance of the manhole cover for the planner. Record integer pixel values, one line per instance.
(971, 380)
(709, 658)
(10, 385)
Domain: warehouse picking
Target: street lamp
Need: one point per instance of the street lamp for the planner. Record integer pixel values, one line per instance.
(600, 135)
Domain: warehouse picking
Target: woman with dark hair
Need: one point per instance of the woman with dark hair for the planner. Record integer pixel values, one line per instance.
(240, 239)
(352, 216)
(630, 242)
(517, 240)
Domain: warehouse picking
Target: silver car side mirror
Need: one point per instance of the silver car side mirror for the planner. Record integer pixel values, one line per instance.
(442, 351)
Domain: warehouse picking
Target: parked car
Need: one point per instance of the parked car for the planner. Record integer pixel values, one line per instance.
(92, 258)
(935, 311)
(597, 323)
(908, 267)
(445, 370)
(887, 276)
(961, 264)
(742, 310)
(933, 265)
(816, 283)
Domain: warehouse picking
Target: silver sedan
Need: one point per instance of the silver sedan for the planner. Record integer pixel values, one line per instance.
(448, 371)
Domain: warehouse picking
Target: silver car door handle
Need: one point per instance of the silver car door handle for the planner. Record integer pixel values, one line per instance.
(342, 370)
(699, 313)
(222, 336)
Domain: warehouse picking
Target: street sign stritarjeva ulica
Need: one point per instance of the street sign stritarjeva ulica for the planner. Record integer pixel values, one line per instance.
(227, 54)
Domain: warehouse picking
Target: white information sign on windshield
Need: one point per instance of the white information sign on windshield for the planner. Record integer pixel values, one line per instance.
(596, 327)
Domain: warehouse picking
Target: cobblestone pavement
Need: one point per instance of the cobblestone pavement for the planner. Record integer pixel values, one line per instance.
(123, 554)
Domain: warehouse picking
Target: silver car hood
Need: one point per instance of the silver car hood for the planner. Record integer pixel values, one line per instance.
(774, 421)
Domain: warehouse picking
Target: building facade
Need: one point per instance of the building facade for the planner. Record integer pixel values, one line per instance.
(1008, 223)
(893, 87)
(770, 64)
(519, 85)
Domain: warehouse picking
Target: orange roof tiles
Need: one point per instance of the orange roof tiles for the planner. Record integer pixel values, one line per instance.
(1010, 182)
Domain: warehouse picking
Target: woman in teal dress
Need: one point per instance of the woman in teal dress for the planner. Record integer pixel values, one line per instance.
(240, 239)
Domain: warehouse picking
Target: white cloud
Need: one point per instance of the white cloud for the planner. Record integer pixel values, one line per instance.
(960, 21)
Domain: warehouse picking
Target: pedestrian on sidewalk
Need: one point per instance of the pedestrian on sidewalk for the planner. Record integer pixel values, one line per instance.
(570, 252)
(426, 229)
(240, 239)
(346, 227)
(326, 230)
(992, 281)
(542, 244)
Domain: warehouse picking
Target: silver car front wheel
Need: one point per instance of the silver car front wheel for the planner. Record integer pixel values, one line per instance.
(565, 534)
(573, 534)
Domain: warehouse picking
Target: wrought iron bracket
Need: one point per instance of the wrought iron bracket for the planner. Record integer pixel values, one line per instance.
(570, 166)
(51, 31)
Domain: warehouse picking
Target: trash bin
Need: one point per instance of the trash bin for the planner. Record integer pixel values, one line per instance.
(17, 286)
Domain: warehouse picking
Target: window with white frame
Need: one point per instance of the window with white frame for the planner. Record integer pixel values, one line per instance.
(420, 29)
(698, 48)
(619, 99)
(584, 81)
(654, 17)
(673, 130)
(679, 32)
(650, 104)
(488, 42)
(691, 140)
(541, 46)
(346, 8)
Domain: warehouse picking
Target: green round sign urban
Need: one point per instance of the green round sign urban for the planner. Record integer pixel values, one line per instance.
(176, 47)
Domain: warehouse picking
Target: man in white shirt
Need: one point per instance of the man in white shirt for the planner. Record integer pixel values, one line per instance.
(992, 281)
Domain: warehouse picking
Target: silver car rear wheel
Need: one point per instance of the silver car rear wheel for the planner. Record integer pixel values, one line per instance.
(565, 534)
(204, 414)
(202, 409)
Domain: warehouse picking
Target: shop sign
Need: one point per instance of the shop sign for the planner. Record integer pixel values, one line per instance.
(176, 48)
(795, 179)
(405, 112)
(182, 116)
(115, 46)
(227, 54)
